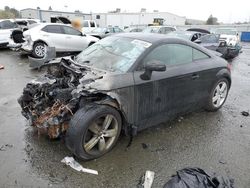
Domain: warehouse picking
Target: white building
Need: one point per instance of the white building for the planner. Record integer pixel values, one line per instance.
(46, 15)
(139, 18)
(116, 18)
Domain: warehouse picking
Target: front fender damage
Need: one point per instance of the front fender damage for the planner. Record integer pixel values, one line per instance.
(50, 101)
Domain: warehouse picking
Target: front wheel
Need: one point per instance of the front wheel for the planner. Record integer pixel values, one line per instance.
(93, 131)
(218, 95)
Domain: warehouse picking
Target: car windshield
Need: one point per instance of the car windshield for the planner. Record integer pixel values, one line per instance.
(183, 35)
(114, 54)
(226, 31)
(151, 30)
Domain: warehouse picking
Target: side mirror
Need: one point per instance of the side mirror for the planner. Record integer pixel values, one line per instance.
(153, 65)
(197, 41)
(106, 32)
(83, 34)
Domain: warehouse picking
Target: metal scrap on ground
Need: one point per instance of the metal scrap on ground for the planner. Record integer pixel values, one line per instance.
(75, 165)
(149, 178)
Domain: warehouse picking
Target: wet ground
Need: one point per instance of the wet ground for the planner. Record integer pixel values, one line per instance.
(217, 142)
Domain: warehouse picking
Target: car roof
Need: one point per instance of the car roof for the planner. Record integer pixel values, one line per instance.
(149, 37)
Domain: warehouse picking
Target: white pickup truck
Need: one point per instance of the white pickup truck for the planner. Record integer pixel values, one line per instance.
(88, 26)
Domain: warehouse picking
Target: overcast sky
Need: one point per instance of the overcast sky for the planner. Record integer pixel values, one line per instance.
(225, 10)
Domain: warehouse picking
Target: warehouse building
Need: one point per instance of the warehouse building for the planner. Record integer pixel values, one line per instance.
(115, 18)
(46, 15)
(123, 19)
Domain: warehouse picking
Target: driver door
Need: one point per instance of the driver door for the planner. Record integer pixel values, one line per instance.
(167, 93)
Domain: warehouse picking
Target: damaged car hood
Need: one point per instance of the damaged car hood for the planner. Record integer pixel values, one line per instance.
(50, 101)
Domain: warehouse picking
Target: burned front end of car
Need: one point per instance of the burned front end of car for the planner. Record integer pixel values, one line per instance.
(50, 101)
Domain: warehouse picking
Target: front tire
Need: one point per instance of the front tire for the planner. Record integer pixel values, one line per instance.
(93, 131)
(39, 50)
(218, 95)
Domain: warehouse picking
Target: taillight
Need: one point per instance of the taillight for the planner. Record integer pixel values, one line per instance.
(229, 67)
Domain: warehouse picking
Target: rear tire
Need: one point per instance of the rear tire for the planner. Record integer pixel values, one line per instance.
(93, 131)
(218, 95)
(39, 50)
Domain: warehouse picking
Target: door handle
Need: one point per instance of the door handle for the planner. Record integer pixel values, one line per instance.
(68, 37)
(45, 35)
(195, 76)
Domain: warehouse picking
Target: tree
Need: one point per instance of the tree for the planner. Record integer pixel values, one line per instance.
(50, 8)
(15, 12)
(212, 20)
(6, 8)
(6, 14)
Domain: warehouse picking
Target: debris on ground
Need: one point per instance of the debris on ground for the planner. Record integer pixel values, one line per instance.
(149, 178)
(244, 113)
(4, 147)
(146, 180)
(196, 177)
(75, 165)
(1, 67)
(222, 161)
(144, 146)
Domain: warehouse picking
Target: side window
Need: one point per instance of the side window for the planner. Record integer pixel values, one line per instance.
(197, 55)
(195, 37)
(110, 30)
(168, 30)
(162, 30)
(7, 25)
(117, 30)
(171, 54)
(53, 29)
(92, 24)
(209, 39)
(85, 24)
(71, 31)
(31, 22)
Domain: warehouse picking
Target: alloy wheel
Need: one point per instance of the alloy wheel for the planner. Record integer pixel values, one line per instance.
(101, 135)
(220, 94)
(40, 50)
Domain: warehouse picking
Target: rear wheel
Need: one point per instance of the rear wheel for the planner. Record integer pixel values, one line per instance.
(93, 131)
(39, 50)
(218, 95)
